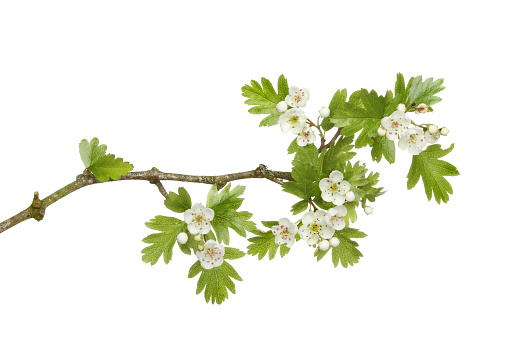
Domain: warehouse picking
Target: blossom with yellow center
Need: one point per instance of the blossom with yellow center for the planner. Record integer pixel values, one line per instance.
(334, 188)
(314, 226)
(293, 120)
(396, 125)
(198, 219)
(285, 232)
(212, 255)
(297, 97)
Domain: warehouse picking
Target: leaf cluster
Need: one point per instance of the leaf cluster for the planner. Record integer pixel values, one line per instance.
(264, 243)
(103, 166)
(225, 205)
(264, 98)
(346, 252)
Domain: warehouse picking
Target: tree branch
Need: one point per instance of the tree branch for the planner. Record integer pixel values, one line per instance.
(37, 208)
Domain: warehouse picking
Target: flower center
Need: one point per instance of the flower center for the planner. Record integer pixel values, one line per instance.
(314, 228)
(395, 124)
(334, 188)
(210, 252)
(412, 139)
(199, 218)
(293, 120)
(285, 232)
(336, 218)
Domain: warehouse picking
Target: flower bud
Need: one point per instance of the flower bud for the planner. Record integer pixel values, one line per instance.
(422, 108)
(324, 112)
(197, 237)
(182, 238)
(350, 196)
(444, 131)
(334, 242)
(281, 106)
(433, 129)
(324, 245)
(368, 210)
(401, 107)
(201, 248)
(381, 131)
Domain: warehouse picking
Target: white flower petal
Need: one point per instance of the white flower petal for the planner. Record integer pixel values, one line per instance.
(308, 218)
(338, 199)
(336, 176)
(326, 232)
(313, 239)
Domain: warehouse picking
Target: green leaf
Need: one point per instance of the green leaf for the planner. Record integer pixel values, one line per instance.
(299, 207)
(305, 172)
(224, 205)
(293, 147)
(108, 166)
(91, 152)
(264, 243)
(215, 282)
(264, 98)
(335, 105)
(180, 202)
(383, 147)
(338, 154)
(432, 171)
(400, 86)
(346, 252)
(419, 91)
(163, 242)
(363, 112)
(233, 253)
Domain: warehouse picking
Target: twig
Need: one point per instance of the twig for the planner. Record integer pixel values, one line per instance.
(37, 208)
(323, 146)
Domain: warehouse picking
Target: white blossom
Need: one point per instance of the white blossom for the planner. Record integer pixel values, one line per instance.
(401, 108)
(324, 245)
(350, 196)
(334, 242)
(335, 217)
(314, 227)
(306, 136)
(431, 138)
(212, 255)
(413, 141)
(297, 97)
(293, 120)
(285, 232)
(433, 129)
(182, 238)
(396, 125)
(324, 112)
(421, 108)
(334, 188)
(198, 219)
(444, 131)
(281, 106)
(381, 131)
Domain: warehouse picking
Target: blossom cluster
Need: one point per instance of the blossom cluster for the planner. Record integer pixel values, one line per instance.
(294, 119)
(396, 126)
(198, 219)
(318, 227)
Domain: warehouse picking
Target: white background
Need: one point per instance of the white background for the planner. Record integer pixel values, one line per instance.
(159, 83)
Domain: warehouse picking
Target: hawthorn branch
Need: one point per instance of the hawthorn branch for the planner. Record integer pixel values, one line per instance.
(37, 208)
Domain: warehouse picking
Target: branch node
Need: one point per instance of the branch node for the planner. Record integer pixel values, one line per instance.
(221, 183)
(38, 209)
